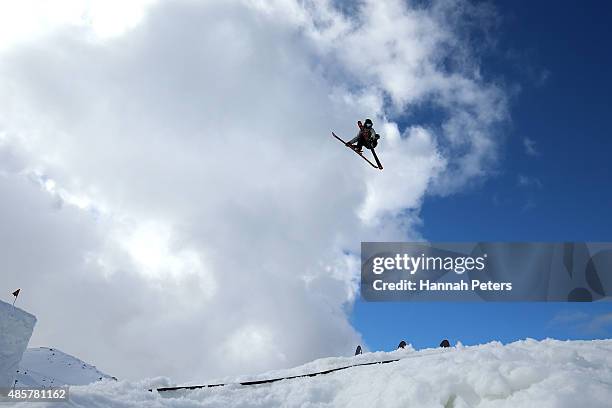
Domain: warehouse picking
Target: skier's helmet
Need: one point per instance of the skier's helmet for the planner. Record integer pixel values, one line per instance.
(367, 123)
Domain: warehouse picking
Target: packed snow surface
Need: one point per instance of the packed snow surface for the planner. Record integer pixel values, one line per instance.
(49, 367)
(526, 373)
(16, 328)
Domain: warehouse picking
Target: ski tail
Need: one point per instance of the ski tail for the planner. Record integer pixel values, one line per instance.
(376, 158)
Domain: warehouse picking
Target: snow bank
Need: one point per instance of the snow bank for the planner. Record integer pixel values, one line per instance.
(527, 373)
(16, 328)
(49, 367)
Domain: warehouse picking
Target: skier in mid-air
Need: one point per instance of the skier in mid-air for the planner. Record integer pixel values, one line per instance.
(366, 136)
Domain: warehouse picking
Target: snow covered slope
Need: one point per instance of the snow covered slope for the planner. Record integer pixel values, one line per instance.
(48, 367)
(16, 328)
(527, 373)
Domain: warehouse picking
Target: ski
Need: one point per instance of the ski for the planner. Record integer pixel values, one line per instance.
(376, 166)
(376, 158)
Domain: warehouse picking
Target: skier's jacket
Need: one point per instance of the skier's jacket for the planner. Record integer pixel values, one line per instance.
(367, 137)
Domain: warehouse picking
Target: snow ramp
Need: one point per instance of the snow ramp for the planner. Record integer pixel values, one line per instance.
(16, 327)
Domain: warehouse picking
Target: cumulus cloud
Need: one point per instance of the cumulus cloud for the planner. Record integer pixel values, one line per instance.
(173, 203)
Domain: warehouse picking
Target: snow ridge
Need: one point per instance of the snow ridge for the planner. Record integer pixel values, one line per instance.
(528, 373)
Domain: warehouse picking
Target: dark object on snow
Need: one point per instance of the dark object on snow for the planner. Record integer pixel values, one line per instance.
(444, 343)
(401, 345)
(358, 350)
(271, 380)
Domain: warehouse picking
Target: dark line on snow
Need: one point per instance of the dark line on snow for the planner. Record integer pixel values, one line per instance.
(271, 380)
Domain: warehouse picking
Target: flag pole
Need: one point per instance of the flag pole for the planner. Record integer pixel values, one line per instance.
(15, 293)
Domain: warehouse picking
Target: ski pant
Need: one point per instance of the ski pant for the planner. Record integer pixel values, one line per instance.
(362, 141)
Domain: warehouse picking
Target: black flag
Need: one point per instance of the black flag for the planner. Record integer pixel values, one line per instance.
(15, 293)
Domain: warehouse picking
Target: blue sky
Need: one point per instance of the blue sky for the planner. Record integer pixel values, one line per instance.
(552, 182)
(197, 216)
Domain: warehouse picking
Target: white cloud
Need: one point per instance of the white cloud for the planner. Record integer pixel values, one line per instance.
(28, 20)
(567, 317)
(530, 146)
(526, 181)
(415, 158)
(187, 193)
(581, 322)
(601, 323)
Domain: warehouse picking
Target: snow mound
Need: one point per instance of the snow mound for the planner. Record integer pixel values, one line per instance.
(16, 328)
(527, 373)
(48, 367)
(319, 365)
